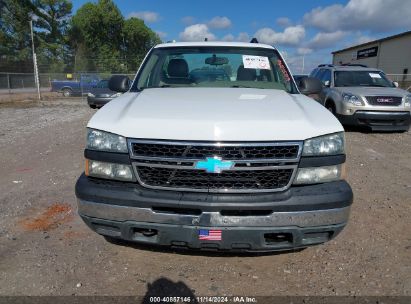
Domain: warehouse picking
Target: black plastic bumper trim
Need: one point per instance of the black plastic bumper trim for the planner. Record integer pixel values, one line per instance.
(302, 198)
(98, 101)
(233, 239)
(378, 120)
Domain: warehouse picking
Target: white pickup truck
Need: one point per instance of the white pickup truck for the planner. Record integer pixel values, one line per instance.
(214, 147)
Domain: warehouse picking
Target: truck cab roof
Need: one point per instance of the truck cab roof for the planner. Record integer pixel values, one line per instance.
(214, 44)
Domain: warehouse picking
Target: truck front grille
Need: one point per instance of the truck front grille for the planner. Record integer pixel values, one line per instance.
(257, 167)
(200, 180)
(384, 100)
(226, 152)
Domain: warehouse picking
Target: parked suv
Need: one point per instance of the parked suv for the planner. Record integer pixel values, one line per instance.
(243, 162)
(363, 96)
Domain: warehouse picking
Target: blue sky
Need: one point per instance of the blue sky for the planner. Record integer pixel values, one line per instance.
(312, 29)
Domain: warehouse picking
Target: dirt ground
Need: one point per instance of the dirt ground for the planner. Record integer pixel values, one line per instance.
(45, 249)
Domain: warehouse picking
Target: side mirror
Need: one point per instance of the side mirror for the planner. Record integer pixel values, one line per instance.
(395, 84)
(119, 83)
(310, 85)
(327, 83)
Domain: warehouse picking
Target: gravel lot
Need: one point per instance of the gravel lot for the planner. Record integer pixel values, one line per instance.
(45, 249)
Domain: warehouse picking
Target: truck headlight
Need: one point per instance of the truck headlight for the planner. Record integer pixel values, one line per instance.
(90, 95)
(352, 99)
(109, 170)
(104, 141)
(407, 101)
(331, 144)
(317, 175)
(116, 95)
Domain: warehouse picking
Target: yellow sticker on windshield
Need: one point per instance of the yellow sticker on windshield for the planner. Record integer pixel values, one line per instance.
(256, 62)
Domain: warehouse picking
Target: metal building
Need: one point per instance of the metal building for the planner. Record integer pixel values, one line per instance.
(391, 54)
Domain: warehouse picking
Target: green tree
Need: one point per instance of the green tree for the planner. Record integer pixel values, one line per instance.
(15, 43)
(138, 39)
(105, 42)
(96, 31)
(50, 21)
(52, 24)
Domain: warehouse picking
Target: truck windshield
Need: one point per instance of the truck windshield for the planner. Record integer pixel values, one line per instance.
(216, 67)
(361, 79)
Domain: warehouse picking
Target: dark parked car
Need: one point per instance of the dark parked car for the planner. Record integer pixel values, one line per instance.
(75, 87)
(100, 94)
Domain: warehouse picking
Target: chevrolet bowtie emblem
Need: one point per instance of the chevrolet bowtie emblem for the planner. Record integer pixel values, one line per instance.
(214, 165)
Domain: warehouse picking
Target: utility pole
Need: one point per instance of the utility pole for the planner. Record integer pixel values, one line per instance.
(36, 72)
(302, 69)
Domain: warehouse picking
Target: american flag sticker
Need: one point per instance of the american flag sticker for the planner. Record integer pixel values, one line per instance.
(209, 235)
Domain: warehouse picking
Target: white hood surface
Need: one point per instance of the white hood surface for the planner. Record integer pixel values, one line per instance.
(215, 114)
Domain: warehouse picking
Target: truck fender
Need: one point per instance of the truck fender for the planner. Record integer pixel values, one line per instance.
(66, 87)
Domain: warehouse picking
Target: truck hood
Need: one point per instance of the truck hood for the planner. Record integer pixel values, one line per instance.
(215, 114)
(373, 91)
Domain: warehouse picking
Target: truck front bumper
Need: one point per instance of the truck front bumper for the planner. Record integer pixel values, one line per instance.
(98, 101)
(378, 120)
(296, 218)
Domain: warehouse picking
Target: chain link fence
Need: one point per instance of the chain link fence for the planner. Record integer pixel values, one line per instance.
(24, 82)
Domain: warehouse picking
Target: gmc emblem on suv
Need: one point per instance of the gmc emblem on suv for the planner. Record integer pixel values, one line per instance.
(385, 100)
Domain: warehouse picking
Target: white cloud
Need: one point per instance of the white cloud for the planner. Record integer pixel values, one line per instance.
(228, 37)
(188, 20)
(283, 22)
(242, 37)
(372, 15)
(291, 35)
(304, 51)
(363, 39)
(147, 16)
(161, 34)
(219, 23)
(197, 32)
(325, 40)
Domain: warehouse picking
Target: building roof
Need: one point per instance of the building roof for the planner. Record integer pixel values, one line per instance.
(215, 43)
(372, 42)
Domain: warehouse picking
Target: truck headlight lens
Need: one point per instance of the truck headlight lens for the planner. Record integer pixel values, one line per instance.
(116, 95)
(352, 99)
(407, 101)
(317, 175)
(104, 141)
(90, 95)
(109, 170)
(331, 144)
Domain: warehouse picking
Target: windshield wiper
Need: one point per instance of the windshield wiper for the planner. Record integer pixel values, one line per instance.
(371, 85)
(242, 86)
(155, 87)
